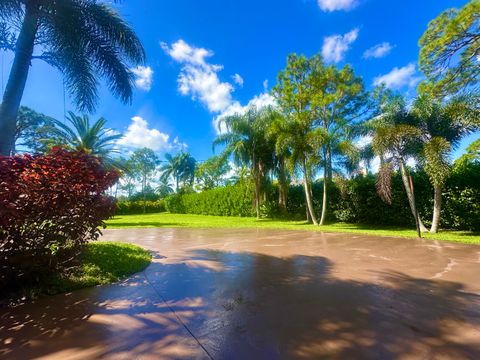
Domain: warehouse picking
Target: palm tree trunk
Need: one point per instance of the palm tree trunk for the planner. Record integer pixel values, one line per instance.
(329, 163)
(257, 192)
(17, 79)
(410, 196)
(144, 185)
(324, 198)
(308, 193)
(282, 188)
(437, 207)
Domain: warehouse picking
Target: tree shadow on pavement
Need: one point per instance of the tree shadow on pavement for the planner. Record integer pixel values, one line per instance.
(243, 305)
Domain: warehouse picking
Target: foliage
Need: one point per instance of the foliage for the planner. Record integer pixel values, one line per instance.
(247, 141)
(138, 207)
(472, 155)
(234, 200)
(211, 173)
(94, 138)
(85, 40)
(49, 206)
(449, 50)
(33, 129)
(354, 200)
(142, 164)
(181, 167)
(99, 263)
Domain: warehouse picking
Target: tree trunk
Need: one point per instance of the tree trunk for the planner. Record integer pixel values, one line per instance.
(282, 188)
(144, 185)
(17, 79)
(410, 196)
(308, 194)
(437, 207)
(329, 163)
(324, 198)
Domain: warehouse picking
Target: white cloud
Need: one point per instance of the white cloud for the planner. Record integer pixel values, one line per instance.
(258, 101)
(335, 46)
(237, 79)
(378, 51)
(399, 77)
(139, 135)
(333, 5)
(144, 77)
(198, 78)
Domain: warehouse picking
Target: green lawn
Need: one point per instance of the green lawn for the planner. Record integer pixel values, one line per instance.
(101, 263)
(168, 220)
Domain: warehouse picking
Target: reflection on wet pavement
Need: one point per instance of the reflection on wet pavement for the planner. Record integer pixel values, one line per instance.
(263, 294)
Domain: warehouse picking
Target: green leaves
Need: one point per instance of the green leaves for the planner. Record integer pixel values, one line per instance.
(87, 40)
(436, 152)
(449, 51)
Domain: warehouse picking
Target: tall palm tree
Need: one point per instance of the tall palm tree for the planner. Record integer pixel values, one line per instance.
(247, 141)
(94, 138)
(442, 126)
(297, 138)
(395, 140)
(85, 39)
(181, 168)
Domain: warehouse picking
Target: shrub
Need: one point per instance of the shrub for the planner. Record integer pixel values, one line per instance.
(49, 206)
(235, 200)
(354, 201)
(137, 207)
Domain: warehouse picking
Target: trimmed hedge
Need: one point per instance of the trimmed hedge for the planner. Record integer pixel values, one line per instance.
(225, 201)
(136, 207)
(355, 201)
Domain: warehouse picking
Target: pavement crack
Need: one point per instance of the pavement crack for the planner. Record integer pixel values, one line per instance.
(177, 316)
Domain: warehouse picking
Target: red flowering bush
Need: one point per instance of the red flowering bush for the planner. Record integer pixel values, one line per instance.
(49, 206)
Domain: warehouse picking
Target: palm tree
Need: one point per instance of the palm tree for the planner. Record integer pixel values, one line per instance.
(181, 168)
(395, 140)
(297, 138)
(164, 188)
(442, 126)
(94, 139)
(247, 141)
(85, 39)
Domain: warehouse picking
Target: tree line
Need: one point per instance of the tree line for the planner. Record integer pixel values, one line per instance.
(321, 110)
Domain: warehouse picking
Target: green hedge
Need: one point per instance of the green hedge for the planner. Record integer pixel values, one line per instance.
(355, 201)
(136, 207)
(225, 201)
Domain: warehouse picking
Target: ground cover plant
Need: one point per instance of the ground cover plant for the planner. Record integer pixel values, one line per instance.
(99, 263)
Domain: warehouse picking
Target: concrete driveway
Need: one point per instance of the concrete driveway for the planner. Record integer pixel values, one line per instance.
(264, 294)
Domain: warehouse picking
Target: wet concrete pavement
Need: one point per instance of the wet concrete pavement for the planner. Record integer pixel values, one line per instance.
(264, 294)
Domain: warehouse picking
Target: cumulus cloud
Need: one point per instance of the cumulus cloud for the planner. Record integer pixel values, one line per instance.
(334, 5)
(144, 77)
(139, 135)
(378, 51)
(335, 47)
(237, 79)
(198, 78)
(399, 77)
(258, 101)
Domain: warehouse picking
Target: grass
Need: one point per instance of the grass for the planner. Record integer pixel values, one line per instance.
(168, 220)
(104, 263)
(101, 263)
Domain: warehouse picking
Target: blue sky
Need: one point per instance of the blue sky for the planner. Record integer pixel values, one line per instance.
(213, 57)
